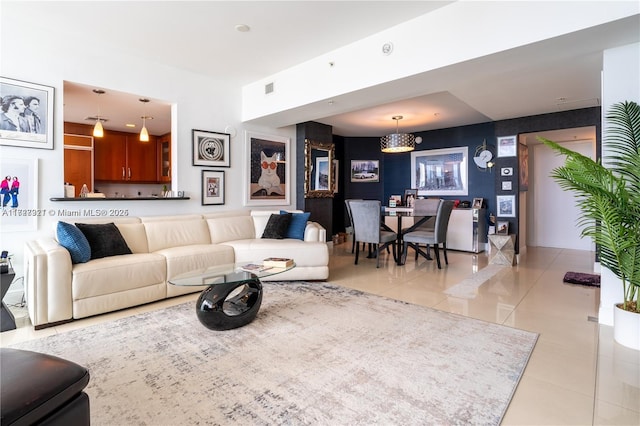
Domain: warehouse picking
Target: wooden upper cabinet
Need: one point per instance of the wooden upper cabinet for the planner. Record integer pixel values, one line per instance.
(121, 157)
(110, 156)
(142, 159)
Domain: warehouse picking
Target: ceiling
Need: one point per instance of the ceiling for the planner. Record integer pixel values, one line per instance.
(554, 75)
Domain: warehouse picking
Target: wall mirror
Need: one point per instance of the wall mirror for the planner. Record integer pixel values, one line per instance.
(319, 173)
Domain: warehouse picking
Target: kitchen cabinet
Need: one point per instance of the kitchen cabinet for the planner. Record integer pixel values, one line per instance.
(122, 157)
(78, 161)
(164, 158)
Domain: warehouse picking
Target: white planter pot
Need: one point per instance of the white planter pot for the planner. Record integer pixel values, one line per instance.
(626, 328)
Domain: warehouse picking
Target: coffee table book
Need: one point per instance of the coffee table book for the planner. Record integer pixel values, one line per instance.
(255, 267)
(277, 262)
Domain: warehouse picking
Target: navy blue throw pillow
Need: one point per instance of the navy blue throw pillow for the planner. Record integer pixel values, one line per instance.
(297, 225)
(71, 238)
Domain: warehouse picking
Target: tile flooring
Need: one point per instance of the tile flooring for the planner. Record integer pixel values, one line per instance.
(577, 374)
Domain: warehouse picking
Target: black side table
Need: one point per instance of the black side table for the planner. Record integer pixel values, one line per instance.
(7, 321)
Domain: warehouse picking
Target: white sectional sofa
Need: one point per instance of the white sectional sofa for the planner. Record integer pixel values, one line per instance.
(162, 247)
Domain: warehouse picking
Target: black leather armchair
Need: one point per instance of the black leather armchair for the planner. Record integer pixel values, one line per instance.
(40, 389)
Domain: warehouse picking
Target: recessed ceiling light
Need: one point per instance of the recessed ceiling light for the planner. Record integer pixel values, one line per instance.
(243, 28)
(130, 125)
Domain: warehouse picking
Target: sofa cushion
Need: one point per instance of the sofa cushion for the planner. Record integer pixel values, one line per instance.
(104, 239)
(176, 233)
(72, 238)
(277, 226)
(297, 225)
(224, 229)
(135, 236)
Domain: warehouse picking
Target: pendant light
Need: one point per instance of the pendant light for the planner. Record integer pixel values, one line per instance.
(98, 130)
(397, 142)
(144, 133)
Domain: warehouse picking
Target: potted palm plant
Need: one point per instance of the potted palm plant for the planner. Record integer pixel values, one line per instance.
(609, 203)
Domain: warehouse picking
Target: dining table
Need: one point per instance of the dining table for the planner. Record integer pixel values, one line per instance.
(400, 214)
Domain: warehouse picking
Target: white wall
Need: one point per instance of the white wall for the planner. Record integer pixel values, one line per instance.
(48, 58)
(621, 68)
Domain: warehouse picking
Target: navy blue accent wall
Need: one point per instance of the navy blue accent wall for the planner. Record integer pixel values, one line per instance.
(395, 169)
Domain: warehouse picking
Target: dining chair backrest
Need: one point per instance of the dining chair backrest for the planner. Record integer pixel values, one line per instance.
(426, 206)
(442, 221)
(365, 215)
(346, 203)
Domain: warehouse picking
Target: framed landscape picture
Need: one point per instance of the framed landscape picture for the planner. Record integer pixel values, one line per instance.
(507, 146)
(211, 149)
(27, 114)
(440, 171)
(506, 205)
(267, 170)
(365, 171)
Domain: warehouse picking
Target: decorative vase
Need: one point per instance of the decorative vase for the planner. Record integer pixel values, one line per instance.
(626, 327)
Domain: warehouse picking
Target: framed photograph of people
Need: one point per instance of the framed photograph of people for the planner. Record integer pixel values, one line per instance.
(502, 227)
(506, 205)
(267, 170)
(409, 197)
(365, 171)
(211, 149)
(477, 203)
(212, 187)
(19, 194)
(507, 146)
(26, 117)
(440, 171)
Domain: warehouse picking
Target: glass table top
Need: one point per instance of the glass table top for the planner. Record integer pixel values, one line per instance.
(226, 274)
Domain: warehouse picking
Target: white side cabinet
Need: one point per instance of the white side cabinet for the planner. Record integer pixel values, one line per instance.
(467, 230)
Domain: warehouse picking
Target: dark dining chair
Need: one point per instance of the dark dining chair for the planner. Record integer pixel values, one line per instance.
(431, 238)
(366, 217)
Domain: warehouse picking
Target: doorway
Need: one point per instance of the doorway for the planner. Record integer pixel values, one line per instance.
(553, 212)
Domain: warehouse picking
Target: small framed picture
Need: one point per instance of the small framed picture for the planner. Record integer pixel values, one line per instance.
(506, 185)
(502, 227)
(211, 149)
(477, 203)
(365, 171)
(506, 171)
(212, 187)
(180, 194)
(506, 205)
(409, 198)
(507, 146)
(395, 200)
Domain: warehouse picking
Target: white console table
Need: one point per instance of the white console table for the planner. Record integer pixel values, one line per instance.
(467, 229)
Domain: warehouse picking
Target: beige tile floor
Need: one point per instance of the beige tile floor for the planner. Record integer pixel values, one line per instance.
(577, 374)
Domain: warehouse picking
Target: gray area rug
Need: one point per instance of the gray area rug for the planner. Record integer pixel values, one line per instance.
(316, 354)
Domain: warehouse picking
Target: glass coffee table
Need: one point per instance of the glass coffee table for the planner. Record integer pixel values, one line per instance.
(233, 296)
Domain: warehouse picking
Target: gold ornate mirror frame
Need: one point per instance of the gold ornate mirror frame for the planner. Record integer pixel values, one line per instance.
(319, 173)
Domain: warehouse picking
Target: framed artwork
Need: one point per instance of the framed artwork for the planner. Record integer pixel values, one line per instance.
(477, 203)
(267, 170)
(523, 165)
(211, 149)
(507, 146)
(212, 187)
(506, 205)
(19, 194)
(506, 185)
(502, 227)
(322, 174)
(365, 171)
(28, 119)
(506, 171)
(440, 171)
(409, 197)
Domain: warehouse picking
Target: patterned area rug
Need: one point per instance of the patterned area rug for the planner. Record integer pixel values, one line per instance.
(316, 354)
(581, 278)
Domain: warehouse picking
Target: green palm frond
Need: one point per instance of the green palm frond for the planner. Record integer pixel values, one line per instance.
(609, 197)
